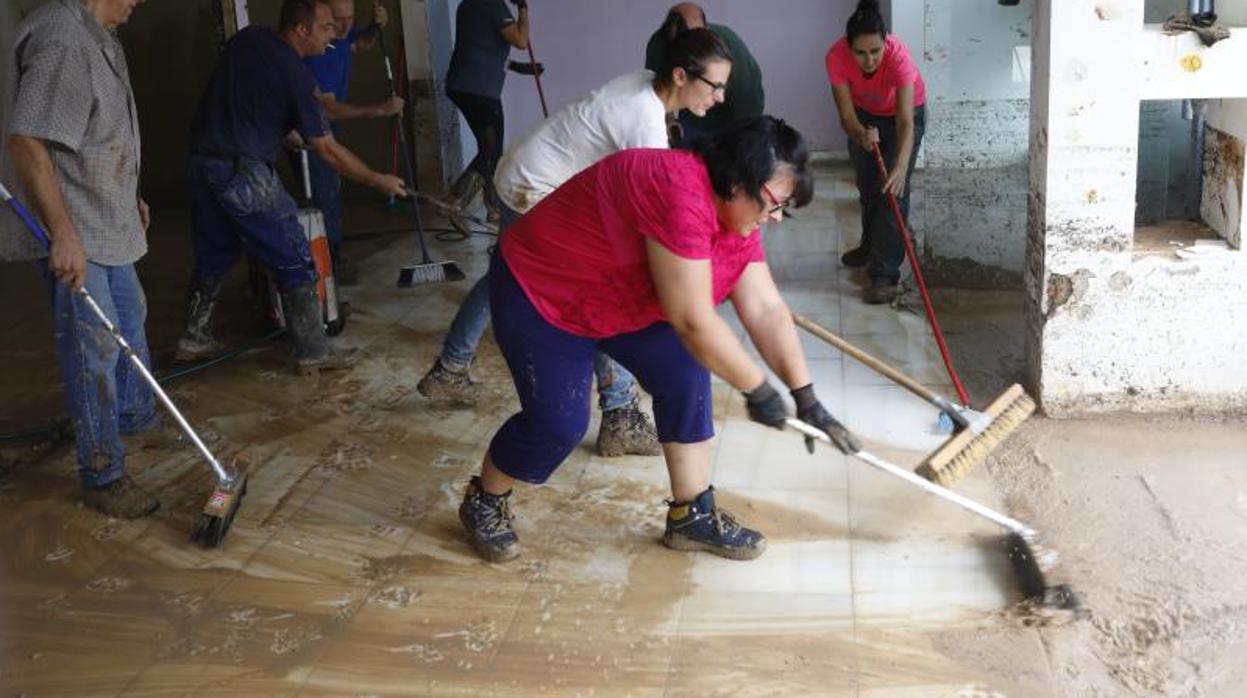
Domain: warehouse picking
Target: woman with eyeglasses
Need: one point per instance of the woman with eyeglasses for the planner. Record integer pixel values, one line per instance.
(627, 112)
(880, 96)
(630, 258)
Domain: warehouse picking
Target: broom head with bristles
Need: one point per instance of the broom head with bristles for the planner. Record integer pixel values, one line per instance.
(429, 273)
(218, 514)
(967, 448)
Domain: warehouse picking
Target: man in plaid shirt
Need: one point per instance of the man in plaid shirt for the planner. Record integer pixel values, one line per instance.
(73, 137)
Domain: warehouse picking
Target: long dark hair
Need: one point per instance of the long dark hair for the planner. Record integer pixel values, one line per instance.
(866, 19)
(690, 50)
(750, 152)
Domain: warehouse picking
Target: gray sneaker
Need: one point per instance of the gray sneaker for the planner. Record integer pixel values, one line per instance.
(121, 499)
(450, 387)
(627, 431)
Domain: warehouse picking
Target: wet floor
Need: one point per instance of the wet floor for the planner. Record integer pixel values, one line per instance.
(346, 572)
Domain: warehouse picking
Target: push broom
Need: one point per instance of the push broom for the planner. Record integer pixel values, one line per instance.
(1031, 562)
(218, 514)
(427, 271)
(976, 433)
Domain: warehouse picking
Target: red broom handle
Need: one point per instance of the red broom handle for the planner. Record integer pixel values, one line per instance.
(903, 231)
(545, 113)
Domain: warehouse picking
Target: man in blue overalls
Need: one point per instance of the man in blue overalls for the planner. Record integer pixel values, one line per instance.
(332, 71)
(259, 92)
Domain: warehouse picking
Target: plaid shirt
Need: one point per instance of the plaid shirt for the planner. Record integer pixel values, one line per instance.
(71, 89)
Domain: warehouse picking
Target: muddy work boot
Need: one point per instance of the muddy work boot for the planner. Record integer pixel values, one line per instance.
(700, 525)
(627, 431)
(449, 386)
(487, 518)
(856, 257)
(196, 341)
(121, 499)
(881, 292)
(312, 351)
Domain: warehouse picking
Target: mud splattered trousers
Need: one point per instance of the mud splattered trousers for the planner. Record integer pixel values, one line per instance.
(104, 393)
(616, 387)
(553, 374)
(240, 204)
(880, 234)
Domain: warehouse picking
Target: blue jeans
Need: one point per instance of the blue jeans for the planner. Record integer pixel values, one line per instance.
(616, 387)
(552, 373)
(104, 392)
(239, 204)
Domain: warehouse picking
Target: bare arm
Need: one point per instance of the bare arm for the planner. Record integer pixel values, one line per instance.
(853, 127)
(37, 174)
(895, 182)
(349, 165)
(516, 33)
(685, 290)
(768, 321)
(343, 111)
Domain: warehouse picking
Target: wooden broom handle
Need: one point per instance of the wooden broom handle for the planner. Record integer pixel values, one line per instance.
(887, 370)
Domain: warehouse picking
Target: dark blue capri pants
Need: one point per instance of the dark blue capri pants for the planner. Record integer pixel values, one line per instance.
(553, 374)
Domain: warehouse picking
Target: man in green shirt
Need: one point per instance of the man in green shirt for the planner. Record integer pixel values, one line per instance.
(744, 96)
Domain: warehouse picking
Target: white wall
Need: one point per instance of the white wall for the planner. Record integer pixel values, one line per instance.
(583, 44)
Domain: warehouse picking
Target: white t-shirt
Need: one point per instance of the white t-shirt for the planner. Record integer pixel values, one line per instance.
(623, 113)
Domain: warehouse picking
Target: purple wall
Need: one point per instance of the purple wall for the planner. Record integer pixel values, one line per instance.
(584, 43)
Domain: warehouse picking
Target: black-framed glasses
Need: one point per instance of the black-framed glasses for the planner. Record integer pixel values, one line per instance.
(720, 87)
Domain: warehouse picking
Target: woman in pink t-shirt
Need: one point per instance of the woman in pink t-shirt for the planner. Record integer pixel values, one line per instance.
(630, 258)
(880, 96)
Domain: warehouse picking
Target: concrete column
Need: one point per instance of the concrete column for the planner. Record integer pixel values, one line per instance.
(434, 122)
(1119, 319)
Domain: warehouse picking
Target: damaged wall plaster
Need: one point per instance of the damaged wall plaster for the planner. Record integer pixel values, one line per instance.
(969, 207)
(1113, 327)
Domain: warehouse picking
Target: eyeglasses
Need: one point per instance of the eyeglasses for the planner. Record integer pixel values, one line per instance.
(720, 87)
(776, 204)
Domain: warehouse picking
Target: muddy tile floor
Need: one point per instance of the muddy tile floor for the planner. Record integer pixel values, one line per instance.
(347, 574)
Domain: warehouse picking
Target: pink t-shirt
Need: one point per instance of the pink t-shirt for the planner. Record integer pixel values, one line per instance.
(580, 254)
(876, 94)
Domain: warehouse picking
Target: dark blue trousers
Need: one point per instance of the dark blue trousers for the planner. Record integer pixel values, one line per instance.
(553, 374)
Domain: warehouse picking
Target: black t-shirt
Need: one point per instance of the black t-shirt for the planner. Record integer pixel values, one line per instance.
(478, 64)
(259, 92)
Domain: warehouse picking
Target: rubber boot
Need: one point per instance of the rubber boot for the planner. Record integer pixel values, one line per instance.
(312, 351)
(197, 341)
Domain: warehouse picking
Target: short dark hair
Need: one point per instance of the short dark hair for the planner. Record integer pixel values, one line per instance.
(298, 13)
(866, 19)
(690, 50)
(750, 152)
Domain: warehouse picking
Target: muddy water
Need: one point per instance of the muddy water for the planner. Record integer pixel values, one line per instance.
(347, 572)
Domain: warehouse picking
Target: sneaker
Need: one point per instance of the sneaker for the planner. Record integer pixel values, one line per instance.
(487, 518)
(856, 257)
(445, 385)
(121, 499)
(881, 292)
(627, 431)
(700, 525)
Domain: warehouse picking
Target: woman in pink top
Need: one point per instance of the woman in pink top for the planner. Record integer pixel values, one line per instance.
(880, 97)
(630, 258)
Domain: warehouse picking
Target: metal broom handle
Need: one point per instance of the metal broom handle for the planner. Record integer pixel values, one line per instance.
(964, 502)
(38, 232)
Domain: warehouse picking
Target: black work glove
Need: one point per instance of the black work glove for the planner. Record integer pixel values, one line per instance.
(812, 412)
(766, 406)
(526, 68)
